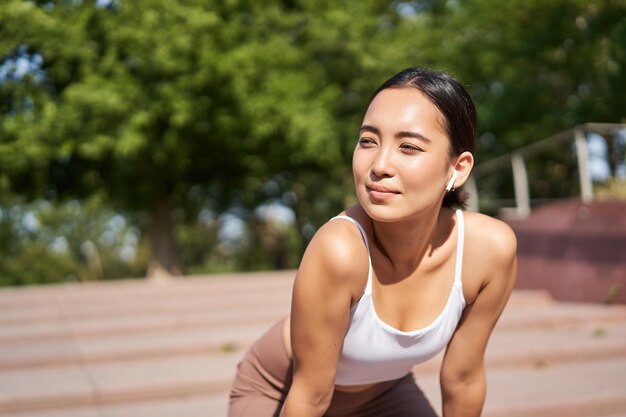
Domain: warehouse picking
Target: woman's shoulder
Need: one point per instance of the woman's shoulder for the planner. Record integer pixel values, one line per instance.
(489, 237)
(340, 237)
(489, 254)
(338, 250)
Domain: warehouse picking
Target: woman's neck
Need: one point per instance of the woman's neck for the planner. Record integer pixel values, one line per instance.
(408, 242)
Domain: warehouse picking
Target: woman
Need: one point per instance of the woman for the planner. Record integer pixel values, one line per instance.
(393, 280)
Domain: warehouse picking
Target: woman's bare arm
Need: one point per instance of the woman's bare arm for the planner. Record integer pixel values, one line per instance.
(333, 271)
(463, 382)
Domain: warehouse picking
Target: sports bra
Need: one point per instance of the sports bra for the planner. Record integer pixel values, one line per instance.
(374, 351)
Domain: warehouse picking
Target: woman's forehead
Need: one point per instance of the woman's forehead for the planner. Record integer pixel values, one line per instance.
(404, 109)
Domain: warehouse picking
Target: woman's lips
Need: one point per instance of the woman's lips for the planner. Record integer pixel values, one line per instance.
(380, 193)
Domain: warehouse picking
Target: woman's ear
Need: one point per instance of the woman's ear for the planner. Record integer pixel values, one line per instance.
(462, 165)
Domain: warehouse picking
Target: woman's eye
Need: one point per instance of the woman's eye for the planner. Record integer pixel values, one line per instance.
(366, 142)
(410, 148)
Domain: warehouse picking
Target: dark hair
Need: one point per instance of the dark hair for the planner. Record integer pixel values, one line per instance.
(456, 106)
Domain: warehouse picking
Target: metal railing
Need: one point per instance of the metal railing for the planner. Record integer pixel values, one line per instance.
(517, 161)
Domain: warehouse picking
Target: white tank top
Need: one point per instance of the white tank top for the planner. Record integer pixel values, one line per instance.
(374, 351)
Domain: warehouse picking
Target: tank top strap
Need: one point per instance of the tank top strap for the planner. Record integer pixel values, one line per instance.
(368, 286)
(458, 269)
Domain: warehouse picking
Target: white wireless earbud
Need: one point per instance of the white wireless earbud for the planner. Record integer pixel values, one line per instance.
(452, 180)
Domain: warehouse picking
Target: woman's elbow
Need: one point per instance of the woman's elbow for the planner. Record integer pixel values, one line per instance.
(316, 398)
(463, 396)
(461, 380)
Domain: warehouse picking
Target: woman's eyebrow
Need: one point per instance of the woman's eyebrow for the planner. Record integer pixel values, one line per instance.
(414, 135)
(371, 129)
(399, 135)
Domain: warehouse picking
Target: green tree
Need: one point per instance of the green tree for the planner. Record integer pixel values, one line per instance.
(43, 242)
(163, 108)
(534, 67)
(140, 101)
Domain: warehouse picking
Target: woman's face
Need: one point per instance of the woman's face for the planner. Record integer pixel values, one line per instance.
(401, 164)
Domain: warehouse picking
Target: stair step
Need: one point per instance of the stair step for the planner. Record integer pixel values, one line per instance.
(550, 315)
(589, 389)
(253, 308)
(158, 321)
(212, 405)
(127, 347)
(533, 346)
(561, 390)
(542, 347)
(170, 348)
(101, 383)
(140, 290)
(59, 304)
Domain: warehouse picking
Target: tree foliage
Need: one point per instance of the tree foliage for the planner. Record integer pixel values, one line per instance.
(140, 101)
(166, 108)
(534, 68)
(43, 242)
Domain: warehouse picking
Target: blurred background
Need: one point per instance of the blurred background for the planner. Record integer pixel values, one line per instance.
(166, 137)
(211, 138)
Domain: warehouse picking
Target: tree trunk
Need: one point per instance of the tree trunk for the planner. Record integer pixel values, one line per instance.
(164, 262)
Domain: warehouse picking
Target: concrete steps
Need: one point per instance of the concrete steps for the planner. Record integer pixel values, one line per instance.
(170, 348)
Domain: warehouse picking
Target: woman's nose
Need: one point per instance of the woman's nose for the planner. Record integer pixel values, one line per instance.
(383, 164)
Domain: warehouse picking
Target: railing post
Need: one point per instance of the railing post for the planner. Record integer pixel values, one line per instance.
(520, 183)
(582, 156)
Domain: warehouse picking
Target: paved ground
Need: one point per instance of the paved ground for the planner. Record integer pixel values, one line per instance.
(144, 348)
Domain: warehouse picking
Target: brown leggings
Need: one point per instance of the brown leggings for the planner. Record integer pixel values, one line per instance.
(264, 377)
